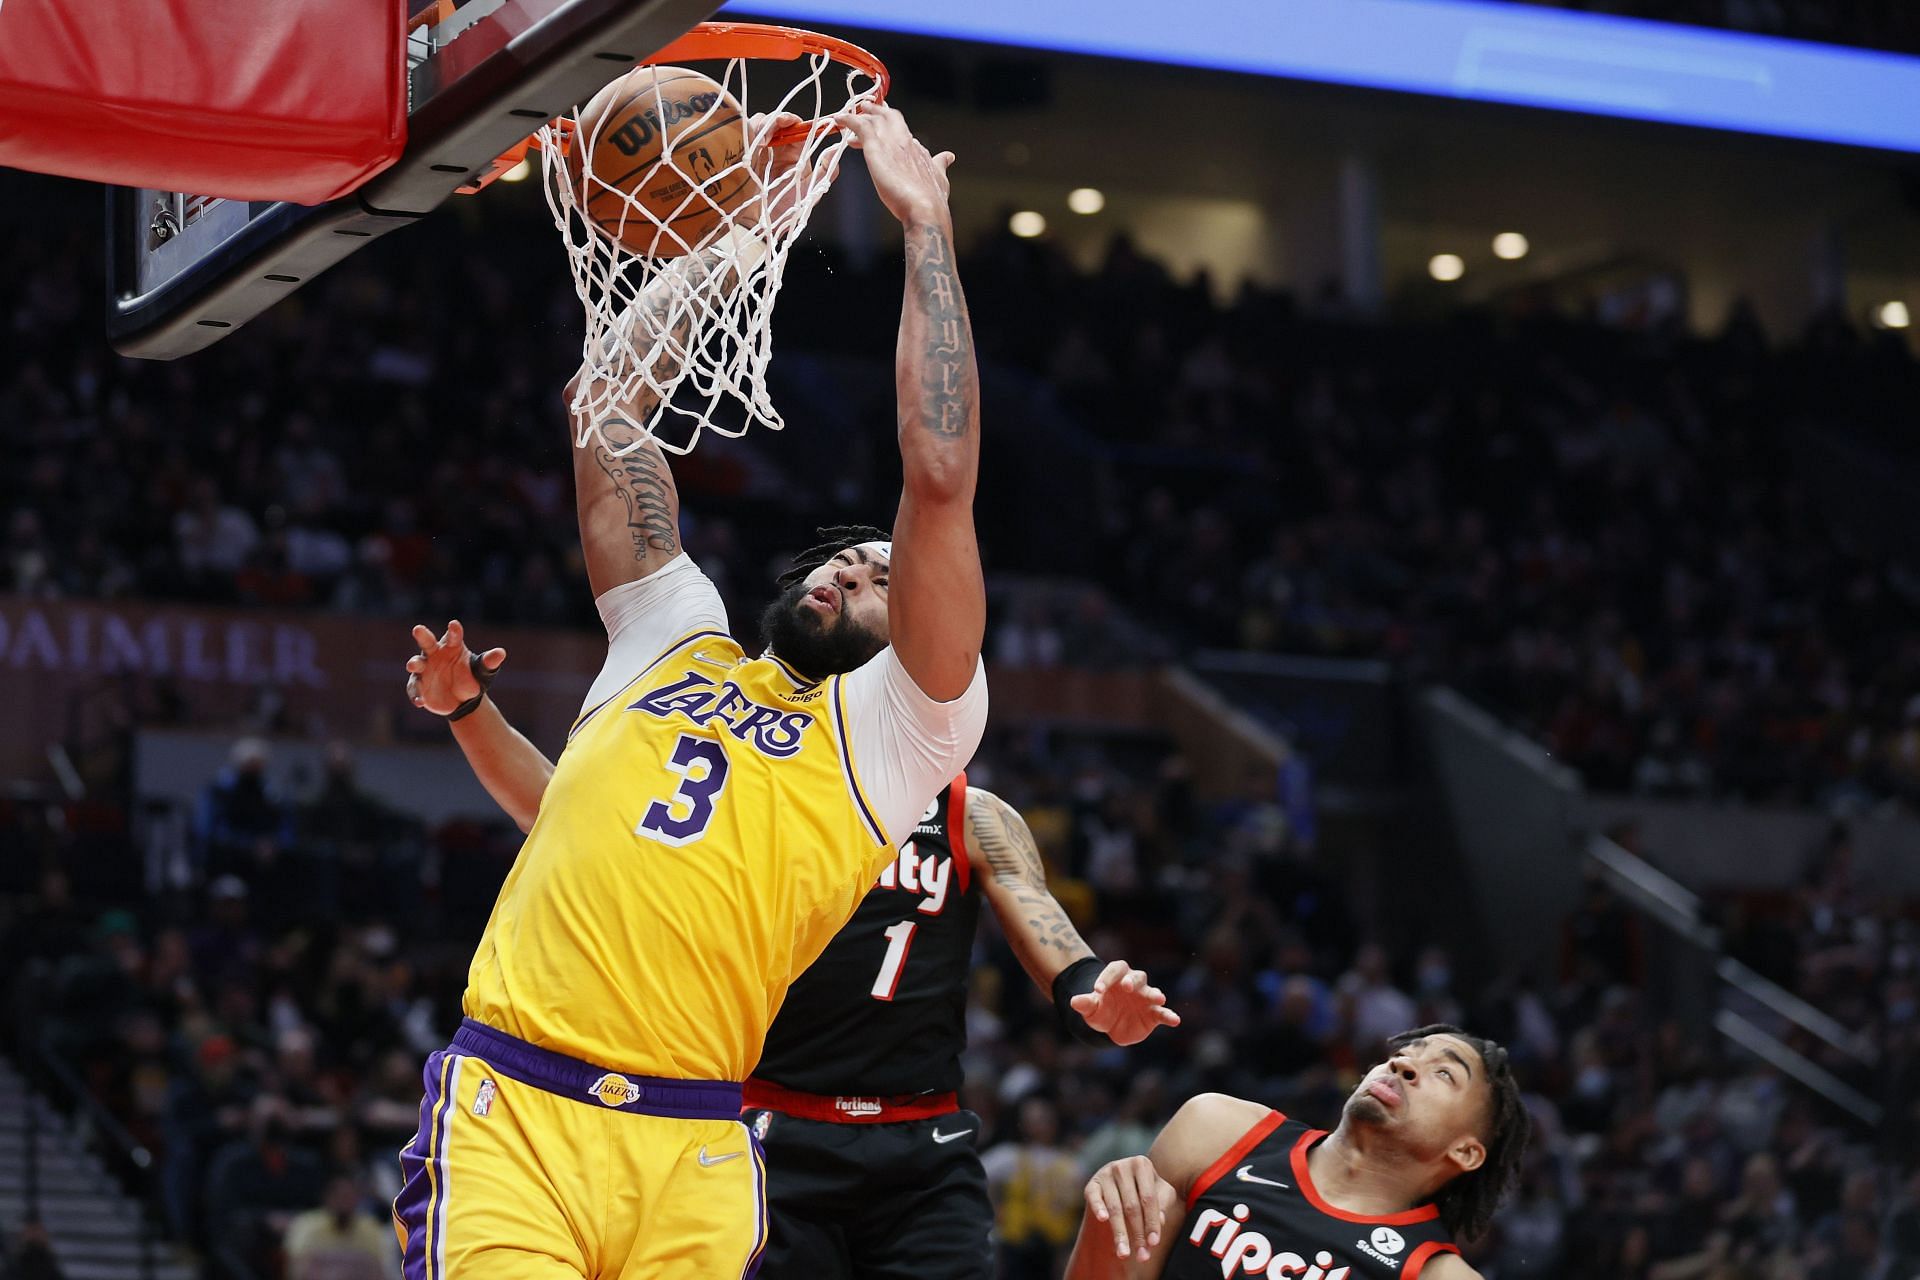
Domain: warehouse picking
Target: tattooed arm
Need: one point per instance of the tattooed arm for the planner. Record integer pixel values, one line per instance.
(1122, 1005)
(1014, 880)
(628, 506)
(936, 602)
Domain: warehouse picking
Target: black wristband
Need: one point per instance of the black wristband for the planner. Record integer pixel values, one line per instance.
(1077, 980)
(471, 705)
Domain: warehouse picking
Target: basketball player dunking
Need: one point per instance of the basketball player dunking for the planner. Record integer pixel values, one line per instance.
(872, 1167)
(1427, 1146)
(711, 824)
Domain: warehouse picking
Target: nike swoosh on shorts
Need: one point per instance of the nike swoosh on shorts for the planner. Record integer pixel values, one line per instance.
(949, 1137)
(731, 1155)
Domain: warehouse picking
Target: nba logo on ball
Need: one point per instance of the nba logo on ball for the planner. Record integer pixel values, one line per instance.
(1387, 1240)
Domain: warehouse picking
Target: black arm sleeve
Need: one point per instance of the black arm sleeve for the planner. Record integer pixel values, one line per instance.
(1074, 980)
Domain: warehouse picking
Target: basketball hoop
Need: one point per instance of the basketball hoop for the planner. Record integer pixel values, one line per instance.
(707, 332)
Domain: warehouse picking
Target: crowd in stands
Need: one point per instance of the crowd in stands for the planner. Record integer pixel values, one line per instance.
(1613, 536)
(264, 1036)
(1871, 24)
(1609, 535)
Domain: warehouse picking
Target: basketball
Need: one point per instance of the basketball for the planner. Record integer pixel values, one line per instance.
(665, 150)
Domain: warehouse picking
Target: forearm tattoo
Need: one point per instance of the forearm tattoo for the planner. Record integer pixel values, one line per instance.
(948, 383)
(1013, 860)
(645, 487)
(624, 450)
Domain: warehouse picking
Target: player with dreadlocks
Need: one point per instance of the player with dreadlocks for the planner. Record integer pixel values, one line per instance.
(713, 821)
(872, 1167)
(1427, 1146)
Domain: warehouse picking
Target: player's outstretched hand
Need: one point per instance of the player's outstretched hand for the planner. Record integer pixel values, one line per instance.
(1127, 1195)
(911, 181)
(1124, 1005)
(440, 677)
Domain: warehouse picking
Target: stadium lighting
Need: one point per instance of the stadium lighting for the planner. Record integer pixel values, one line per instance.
(1894, 315)
(1446, 267)
(1026, 224)
(1510, 246)
(1086, 200)
(519, 172)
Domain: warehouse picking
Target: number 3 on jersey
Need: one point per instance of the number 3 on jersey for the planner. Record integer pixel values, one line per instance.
(702, 766)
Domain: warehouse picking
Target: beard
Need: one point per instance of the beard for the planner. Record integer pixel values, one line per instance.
(811, 645)
(1363, 1108)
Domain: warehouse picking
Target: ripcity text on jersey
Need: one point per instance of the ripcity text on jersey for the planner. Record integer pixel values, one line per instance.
(882, 1012)
(1256, 1212)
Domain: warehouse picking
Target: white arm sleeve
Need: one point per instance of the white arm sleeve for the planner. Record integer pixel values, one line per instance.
(905, 746)
(646, 616)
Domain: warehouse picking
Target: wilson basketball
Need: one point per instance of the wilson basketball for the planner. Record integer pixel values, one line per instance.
(672, 142)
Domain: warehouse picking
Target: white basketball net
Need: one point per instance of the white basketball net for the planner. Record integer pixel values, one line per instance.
(698, 348)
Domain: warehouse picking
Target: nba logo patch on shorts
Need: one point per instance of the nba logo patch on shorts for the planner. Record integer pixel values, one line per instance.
(761, 1123)
(483, 1099)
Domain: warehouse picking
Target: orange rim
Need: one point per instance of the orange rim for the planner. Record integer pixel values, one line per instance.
(721, 41)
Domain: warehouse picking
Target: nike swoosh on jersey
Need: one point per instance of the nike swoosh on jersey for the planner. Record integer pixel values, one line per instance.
(1245, 1174)
(731, 1155)
(949, 1137)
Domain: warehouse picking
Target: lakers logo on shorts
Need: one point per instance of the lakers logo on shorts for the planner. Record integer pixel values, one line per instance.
(614, 1090)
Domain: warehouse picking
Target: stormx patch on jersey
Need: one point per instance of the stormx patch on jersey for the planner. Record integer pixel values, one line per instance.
(703, 700)
(1385, 1243)
(1243, 1252)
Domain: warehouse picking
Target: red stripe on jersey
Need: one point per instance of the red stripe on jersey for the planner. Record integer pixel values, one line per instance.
(957, 829)
(1418, 1259)
(1248, 1141)
(1424, 1213)
(764, 1095)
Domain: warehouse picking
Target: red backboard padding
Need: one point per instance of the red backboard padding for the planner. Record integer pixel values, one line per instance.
(298, 100)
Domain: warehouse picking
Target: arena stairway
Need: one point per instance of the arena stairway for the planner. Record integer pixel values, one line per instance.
(94, 1227)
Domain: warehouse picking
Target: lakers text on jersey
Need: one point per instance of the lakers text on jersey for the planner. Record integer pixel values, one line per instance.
(703, 837)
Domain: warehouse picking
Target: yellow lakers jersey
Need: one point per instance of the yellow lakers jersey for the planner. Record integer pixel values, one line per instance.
(702, 838)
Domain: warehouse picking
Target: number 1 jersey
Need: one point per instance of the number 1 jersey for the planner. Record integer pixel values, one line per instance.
(883, 1011)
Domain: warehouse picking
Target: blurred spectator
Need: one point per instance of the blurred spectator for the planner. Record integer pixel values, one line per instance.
(1131, 1129)
(212, 537)
(255, 1186)
(1037, 1193)
(340, 1240)
(242, 823)
(1374, 1009)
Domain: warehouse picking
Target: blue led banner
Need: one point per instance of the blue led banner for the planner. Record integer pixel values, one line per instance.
(1533, 57)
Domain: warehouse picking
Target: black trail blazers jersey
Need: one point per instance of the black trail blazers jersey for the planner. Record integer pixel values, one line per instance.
(1255, 1212)
(883, 1011)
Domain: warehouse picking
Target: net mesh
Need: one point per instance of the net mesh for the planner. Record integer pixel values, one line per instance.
(681, 344)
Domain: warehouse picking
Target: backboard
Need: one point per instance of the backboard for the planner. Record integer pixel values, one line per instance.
(183, 271)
